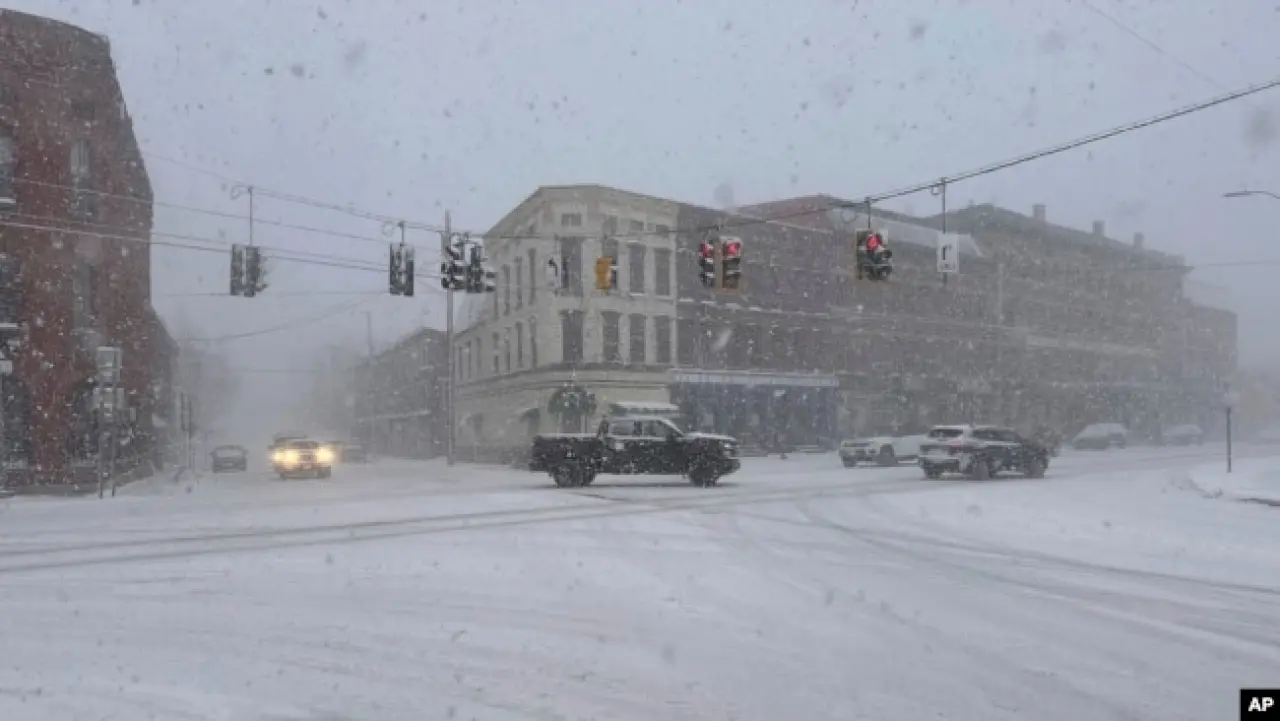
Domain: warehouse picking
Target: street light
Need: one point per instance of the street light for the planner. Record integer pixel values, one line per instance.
(1229, 399)
(1248, 193)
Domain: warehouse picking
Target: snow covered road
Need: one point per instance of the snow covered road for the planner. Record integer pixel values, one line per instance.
(1112, 589)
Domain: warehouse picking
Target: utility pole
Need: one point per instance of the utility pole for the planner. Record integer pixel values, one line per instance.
(450, 421)
(373, 390)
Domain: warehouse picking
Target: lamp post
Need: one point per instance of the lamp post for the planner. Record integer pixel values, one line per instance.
(1229, 400)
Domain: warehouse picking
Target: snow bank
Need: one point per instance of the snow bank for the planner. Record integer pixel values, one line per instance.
(1253, 479)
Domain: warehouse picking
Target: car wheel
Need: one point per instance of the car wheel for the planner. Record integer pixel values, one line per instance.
(567, 475)
(886, 457)
(1035, 468)
(932, 473)
(980, 471)
(848, 463)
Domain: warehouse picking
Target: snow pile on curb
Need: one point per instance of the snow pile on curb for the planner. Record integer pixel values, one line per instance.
(1254, 480)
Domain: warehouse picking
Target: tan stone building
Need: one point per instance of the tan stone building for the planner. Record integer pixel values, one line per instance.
(548, 352)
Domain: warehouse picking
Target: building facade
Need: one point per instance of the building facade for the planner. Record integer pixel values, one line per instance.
(397, 398)
(548, 351)
(75, 220)
(1043, 325)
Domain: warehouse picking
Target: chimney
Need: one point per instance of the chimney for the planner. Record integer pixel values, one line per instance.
(1037, 212)
(1099, 228)
(1139, 241)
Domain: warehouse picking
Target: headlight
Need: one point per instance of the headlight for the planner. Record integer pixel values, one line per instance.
(290, 457)
(277, 456)
(325, 455)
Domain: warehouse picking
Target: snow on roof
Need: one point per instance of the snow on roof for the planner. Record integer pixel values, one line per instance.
(847, 220)
(650, 407)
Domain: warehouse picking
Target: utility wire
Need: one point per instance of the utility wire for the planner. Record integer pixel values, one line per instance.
(292, 324)
(988, 169)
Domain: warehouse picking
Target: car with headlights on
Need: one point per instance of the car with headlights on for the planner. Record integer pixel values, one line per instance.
(302, 458)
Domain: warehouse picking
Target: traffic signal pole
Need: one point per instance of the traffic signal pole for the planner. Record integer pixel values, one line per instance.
(450, 420)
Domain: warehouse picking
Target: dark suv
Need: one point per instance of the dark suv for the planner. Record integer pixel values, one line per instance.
(981, 452)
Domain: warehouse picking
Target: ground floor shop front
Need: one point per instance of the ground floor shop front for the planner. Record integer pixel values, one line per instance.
(762, 410)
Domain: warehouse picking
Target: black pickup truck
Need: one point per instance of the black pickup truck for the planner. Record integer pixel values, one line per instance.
(981, 452)
(634, 446)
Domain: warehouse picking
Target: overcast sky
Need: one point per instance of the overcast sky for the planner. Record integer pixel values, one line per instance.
(406, 108)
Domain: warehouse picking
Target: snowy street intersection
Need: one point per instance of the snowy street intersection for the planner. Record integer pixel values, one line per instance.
(1125, 585)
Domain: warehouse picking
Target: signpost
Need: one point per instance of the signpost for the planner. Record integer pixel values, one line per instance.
(948, 253)
(109, 400)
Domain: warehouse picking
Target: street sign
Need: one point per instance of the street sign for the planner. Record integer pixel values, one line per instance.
(948, 253)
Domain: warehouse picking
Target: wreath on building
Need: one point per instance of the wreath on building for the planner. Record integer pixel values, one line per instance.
(572, 399)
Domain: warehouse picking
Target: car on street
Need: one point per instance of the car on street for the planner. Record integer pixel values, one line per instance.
(634, 446)
(302, 458)
(981, 452)
(1187, 434)
(229, 459)
(1101, 436)
(883, 450)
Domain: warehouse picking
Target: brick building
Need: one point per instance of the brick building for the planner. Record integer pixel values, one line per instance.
(1044, 324)
(75, 217)
(398, 403)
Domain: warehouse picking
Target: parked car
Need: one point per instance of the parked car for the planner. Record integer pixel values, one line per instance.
(881, 450)
(634, 446)
(354, 452)
(1101, 436)
(228, 459)
(981, 452)
(299, 458)
(1184, 435)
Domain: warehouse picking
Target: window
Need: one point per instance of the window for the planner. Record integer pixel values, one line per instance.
(571, 336)
(571, 220)
(571, 266)
(662, 333)
(495, 354)
(457, 364)
(636, 261)
(610, 225)
(612, 341)
(635, 226)
(8, 165)
(85, 287)
(609, 248)
(506, 290)
(496, 298)
(478, 357)
(81, 178)
(519, 273)
(662, 272)
(635, 325)
(533, 342)
(506, 350)
(519, 345)
(687, 334)
(533, 275)
(661, 229)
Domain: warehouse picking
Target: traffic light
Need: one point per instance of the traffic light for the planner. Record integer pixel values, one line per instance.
(874, 258)
(606, 273)
(730, 264)
(453, 270)
(707, 263)
(255, 280)
(480, 278)
(237, 270)
(401, 270)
